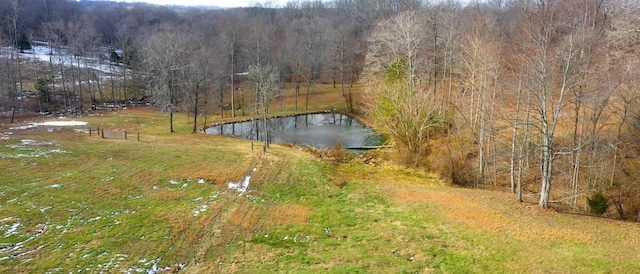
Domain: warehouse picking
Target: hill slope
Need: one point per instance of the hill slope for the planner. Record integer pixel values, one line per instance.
(74, 202)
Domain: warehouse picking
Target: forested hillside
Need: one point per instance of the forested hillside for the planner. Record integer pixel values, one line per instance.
(536, 97)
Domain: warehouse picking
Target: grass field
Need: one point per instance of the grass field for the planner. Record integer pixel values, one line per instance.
(74, 203)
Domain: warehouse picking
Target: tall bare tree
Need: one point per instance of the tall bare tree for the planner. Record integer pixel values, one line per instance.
(230, 39)
(295, 58)
(267, 81)
(554, 55)
(260, 44)
(480, 69)
(315, 31)
(398, 37)
(167, 59)
(80, 36)
(14, 65)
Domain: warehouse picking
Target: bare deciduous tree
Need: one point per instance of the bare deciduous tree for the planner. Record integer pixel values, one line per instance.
(480, 70)
(554, 54)
(267, 81)
(395, 38)
(230, 40)
(167, 53)
(314, 42)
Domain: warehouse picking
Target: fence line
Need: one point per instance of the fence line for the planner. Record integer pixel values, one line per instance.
(114, 134)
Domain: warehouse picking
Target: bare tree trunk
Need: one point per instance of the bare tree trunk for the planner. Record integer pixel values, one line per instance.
(72, 96)
(481, 137)
(171, 121)
(309, 82)
(624, 115)
(195, 109)
(514, 138)
(65, 91)
(89, 88)
(124, 82)
(80, 108)
(577, 153)
(113, 86)
(97, 79)
(342, 49)
(233, 84)
(546, 168)
(12, 85)
(221, 99)
(14, 21)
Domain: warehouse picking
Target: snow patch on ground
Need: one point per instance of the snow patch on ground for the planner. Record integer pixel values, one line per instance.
(28, 142)
(202, 208)
(153, 268)
(16, 250)
(11, 229)
(62, 123)
(31, 149)
(23, 127)
(241, 187)
(43, 52)
(51, 124)
(5, 135)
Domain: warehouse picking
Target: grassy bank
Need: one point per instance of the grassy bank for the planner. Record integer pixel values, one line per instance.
(70, 202)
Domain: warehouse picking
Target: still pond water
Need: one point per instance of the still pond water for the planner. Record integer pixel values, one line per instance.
(316, 130)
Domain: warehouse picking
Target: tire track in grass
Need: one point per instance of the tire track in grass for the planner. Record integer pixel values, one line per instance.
(215, 238)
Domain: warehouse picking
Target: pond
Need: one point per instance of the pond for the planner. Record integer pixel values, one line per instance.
(316, 130)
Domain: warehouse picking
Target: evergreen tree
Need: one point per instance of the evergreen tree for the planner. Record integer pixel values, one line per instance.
(23, 43)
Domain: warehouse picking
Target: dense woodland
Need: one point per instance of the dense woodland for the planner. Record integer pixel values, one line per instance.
(539, 97)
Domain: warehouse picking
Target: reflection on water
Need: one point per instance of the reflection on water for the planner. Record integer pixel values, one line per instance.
(317, 130)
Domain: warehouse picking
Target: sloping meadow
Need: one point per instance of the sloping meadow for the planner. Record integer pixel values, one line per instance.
(199, 203)
(71, 202)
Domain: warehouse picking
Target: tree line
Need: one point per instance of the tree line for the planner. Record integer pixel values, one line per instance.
(308, 42)
(527, 95)
(533, 93)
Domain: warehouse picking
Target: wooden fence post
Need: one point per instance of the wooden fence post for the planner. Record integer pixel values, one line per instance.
(138, 136)
(103, 134)
(125, 135)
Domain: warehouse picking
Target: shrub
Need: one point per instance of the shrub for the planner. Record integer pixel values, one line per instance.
(598, 204)
(337, 152)
(456, 171)
(464, 174)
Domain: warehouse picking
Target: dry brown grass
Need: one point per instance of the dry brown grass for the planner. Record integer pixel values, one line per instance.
(288, 214)
(478, 210)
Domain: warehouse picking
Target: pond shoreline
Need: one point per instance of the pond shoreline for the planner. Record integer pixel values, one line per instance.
(356, 117)
(313, 129)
